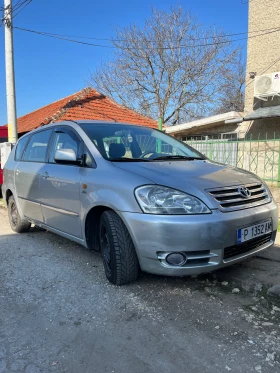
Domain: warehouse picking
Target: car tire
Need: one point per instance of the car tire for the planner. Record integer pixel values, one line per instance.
(17, 224)
(118, 253)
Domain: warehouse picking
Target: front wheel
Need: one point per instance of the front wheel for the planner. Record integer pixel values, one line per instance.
(17, 224)
(118, 253)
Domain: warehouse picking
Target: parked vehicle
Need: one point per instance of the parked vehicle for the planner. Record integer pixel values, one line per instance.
(3, 138)
(144, 199)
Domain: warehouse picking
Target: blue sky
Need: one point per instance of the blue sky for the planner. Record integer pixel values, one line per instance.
(48, 69)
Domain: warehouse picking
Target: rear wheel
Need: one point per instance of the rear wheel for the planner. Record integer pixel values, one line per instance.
(17, 224)
(118, 253)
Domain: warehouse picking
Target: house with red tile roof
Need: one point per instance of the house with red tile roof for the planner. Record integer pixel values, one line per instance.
(86, 104)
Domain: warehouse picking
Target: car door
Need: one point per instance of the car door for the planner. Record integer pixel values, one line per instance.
(60, 185)
(27, 173)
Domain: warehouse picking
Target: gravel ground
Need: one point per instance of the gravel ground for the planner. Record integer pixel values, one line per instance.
(58, 313)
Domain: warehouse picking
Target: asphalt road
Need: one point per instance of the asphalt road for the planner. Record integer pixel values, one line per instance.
(58, 313)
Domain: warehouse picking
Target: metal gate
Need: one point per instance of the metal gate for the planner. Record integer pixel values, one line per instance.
(262, 157)
(223, 151)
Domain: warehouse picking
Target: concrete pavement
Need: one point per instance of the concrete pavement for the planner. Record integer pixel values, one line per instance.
(59, 314)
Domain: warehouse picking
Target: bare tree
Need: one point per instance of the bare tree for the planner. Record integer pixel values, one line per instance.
(170, 68)
(232, 91)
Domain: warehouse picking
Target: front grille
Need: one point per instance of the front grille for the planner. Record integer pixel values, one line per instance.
(230, 199)
(245, 247)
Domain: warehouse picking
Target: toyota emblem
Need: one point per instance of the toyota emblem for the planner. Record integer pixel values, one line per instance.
(244, 192)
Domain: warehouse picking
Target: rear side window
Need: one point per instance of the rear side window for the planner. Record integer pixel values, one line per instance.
(36, 150)
(20, 147)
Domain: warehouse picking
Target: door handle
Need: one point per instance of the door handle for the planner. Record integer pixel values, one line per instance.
(45, 175)
(17, 172)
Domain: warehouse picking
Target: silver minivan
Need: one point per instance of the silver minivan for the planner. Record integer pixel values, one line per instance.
(145, 200)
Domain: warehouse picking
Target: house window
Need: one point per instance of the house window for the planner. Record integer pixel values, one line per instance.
(230, 136)
(196, 138)
(217, 136)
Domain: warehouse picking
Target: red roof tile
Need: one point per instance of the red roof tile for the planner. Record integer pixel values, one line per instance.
(86, 104)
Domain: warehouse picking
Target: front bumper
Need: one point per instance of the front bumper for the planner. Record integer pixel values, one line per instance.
(156, 235)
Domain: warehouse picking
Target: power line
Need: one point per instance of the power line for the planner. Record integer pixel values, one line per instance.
(61, 37)
(23, 5)
(264, 71)
(19, 6)
(57, 36)
(151, 41)
(267, 68)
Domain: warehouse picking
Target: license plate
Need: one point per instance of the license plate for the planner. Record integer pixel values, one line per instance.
(253, 231)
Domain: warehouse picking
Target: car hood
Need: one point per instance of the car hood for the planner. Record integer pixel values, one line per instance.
(200, 174)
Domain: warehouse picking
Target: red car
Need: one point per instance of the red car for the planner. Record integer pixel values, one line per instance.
(3, 138)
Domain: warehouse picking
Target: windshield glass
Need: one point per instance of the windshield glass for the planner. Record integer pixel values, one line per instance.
(130, 143)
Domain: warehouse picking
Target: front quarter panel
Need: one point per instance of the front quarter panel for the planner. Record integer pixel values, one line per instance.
(110, 186)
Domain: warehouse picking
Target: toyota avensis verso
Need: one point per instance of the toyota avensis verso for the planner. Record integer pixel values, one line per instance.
(144, 199)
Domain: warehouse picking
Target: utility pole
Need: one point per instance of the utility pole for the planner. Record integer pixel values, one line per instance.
(159, 143)
(10, 73)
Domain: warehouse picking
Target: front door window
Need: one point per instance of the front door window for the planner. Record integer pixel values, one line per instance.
(65, 140)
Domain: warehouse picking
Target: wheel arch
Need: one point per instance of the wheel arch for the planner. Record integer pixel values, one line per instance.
(8, 194)
(91, 226)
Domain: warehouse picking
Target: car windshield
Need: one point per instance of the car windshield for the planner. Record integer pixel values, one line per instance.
(131, 143)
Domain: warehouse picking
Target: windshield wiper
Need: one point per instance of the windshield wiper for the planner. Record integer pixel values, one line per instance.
(184, 157)
(123, 159)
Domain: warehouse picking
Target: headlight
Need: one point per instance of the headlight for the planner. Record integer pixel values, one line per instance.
(155, 199)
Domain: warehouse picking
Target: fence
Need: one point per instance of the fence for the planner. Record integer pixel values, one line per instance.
(258, 156)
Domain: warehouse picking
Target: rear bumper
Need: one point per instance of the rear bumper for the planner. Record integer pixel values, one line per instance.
(197, 235)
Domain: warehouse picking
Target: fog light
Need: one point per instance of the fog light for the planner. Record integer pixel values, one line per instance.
(176, 259)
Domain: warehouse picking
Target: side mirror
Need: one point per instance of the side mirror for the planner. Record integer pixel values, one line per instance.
(65, 156)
